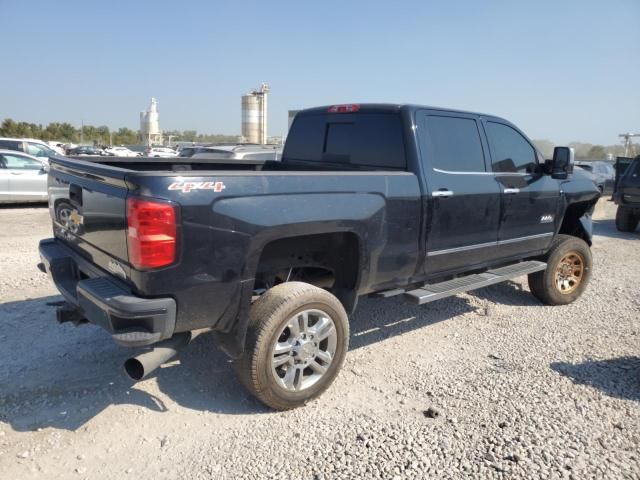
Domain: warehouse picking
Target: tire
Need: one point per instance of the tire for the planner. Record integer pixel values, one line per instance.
(625, 220)
(274, 319)
(560, 283)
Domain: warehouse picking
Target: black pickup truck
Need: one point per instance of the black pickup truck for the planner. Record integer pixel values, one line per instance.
(626, 194)
(272, 256)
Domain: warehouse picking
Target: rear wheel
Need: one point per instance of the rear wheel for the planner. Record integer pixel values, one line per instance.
(625, 220)
(567, 274)
(297, 340)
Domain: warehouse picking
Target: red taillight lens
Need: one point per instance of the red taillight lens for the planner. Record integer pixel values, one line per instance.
(344, 108)
(151, 233)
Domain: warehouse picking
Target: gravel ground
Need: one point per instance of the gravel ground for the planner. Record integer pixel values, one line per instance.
(486, 385)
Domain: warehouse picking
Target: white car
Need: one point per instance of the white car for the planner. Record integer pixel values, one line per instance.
(160, 152)
(121, 152)
(23, 178)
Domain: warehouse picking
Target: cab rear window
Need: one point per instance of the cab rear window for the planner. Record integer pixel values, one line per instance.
(360, 140)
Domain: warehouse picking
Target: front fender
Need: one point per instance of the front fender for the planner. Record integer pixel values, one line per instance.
(586, 221)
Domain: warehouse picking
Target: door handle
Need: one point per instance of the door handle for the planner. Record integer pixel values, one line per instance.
(511, 191)
(442, 193)
(17, 173)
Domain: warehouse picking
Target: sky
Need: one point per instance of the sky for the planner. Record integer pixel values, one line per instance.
(561, 70)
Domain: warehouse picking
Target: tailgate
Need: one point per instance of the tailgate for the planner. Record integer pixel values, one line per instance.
(87, 203)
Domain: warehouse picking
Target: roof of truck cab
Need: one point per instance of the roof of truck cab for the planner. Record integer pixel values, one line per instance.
(390, 107)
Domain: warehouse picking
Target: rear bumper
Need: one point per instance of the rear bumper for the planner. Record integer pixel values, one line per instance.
(99, 298)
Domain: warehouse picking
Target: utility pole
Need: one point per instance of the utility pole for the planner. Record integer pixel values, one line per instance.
(627, 141)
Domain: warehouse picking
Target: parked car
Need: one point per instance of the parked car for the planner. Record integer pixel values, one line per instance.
(23, 178)
(627, 197)
(35, 148)
(159, 152)
(234, 152)
(85, 150)
(385, 200)
(59, 147)
(603, 173)
(121, 152)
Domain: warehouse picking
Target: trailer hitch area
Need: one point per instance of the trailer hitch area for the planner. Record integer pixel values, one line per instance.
(69, 313)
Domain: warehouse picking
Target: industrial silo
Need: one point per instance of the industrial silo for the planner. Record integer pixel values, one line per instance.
(254, 115)
(150, 125)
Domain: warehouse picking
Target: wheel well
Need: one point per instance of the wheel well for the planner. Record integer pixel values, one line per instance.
(328, 260)
(571, 224)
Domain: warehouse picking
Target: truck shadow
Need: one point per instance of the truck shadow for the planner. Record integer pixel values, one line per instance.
(16, 206)
(62, 377)
(616, 377)
(607, 228)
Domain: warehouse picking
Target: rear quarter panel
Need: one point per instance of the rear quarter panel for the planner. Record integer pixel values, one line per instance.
(223, 233)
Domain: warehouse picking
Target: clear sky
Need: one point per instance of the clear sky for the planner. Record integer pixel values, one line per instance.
(561, 70)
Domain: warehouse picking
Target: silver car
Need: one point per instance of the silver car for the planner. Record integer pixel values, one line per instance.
(23, 178)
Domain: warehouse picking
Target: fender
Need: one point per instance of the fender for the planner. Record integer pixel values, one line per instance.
(267, 218)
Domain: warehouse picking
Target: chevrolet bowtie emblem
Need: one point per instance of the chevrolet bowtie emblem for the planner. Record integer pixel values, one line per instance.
(76, 218)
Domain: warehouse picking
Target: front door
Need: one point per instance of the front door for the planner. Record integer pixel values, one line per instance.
(26, 177)
(530, 199)
(464, 199)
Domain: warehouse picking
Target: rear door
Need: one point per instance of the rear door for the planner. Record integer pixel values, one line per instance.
(530, 199)
(25, 177)
(464, 199)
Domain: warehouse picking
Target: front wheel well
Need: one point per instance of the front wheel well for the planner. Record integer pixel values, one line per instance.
(572, 224)
(327, 260)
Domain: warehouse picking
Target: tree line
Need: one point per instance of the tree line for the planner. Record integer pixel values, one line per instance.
(101, 135)
(585, 150)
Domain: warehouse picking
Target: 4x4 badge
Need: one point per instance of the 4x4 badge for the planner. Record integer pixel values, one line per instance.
(187, 187)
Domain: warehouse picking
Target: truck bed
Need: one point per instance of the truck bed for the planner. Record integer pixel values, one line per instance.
(173, 164)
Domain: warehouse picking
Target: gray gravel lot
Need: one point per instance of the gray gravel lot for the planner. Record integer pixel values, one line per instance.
(517, 389)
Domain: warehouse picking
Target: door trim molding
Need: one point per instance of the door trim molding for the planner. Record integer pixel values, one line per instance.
(488, 244)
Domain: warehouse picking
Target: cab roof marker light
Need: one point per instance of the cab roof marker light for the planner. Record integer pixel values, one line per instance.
(348, 108)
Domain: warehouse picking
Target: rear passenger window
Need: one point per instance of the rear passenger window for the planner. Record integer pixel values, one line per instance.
(10, 145)
(363, 140)
(511, 152)
(456, 144)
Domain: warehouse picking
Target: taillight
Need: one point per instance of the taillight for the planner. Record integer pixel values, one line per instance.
(344, 108)
(151, 233)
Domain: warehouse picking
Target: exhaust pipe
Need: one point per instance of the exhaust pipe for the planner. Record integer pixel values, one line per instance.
(141, 366)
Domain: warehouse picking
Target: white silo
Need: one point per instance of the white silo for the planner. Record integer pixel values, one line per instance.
(150, 125)
(254, 115)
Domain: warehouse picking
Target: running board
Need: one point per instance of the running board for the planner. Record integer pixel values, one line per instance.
(435, 291)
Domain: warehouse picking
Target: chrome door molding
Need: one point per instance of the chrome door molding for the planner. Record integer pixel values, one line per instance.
(489, 244)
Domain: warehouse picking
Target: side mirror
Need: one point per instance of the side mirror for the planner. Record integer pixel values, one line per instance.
(562, 163)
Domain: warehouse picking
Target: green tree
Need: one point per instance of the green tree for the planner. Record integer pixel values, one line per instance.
(597, 152)
(545, 147)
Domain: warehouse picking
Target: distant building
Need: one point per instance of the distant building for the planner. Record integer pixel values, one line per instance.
(150, 133)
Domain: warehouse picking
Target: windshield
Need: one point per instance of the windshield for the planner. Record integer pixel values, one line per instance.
(39, 150)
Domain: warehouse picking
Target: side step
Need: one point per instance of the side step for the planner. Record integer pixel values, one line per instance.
(435, 291)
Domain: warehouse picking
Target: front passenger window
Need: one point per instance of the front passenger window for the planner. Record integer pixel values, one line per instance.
(511, 152)
(15, 162)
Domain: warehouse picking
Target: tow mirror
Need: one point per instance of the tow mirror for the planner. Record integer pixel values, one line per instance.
(562, 163)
